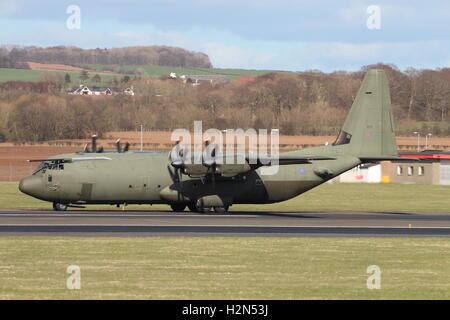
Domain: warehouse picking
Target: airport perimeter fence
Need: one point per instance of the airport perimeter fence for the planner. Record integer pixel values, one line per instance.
(15, 172)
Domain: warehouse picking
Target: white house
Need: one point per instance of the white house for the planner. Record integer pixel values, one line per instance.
(129, 91)
(82, 90)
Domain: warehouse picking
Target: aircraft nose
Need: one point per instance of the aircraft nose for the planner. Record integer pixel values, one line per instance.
(30, 185)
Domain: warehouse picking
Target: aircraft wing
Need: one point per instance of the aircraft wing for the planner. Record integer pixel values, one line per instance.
(229, 165)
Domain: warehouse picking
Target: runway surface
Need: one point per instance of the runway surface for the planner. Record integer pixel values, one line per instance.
(247, 223)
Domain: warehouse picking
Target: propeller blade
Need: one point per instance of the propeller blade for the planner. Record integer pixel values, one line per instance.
(209, 157)
(172, 173)
(176, 157)
(118, 146)
(94, 143)
(213, 177)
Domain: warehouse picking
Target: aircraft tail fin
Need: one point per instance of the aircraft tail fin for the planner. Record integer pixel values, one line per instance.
(368, 131)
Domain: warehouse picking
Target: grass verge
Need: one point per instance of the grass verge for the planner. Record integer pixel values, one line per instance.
(224, 268)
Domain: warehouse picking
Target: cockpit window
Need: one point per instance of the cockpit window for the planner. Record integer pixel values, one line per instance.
(42, 166)
(342, 138)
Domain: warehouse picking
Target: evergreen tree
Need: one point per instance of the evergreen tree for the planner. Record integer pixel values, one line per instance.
(96, 78)
(67, 78)
(84, 75)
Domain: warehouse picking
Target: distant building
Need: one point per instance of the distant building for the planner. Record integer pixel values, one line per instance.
(433, 168)
(129, 91)
(100, 91)
(82, 90)
(197, 79)
(246, 80)
(108, 92)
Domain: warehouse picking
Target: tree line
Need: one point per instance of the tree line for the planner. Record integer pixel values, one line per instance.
(306, 103)
(70, 55)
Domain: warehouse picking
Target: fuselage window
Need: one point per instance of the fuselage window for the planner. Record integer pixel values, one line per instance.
(342, 138)
(421, 171)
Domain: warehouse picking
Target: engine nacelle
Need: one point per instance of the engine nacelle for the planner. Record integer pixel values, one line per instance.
(231, 170)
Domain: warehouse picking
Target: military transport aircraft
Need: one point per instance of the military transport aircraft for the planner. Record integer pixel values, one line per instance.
(122, 177)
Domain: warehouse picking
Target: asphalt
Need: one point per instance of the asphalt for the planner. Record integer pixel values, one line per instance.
(247, 223)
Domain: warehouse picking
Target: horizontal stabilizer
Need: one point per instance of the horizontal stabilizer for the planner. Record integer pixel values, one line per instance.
(387, 158)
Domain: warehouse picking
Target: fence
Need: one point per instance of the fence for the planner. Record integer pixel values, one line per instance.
(15, 172)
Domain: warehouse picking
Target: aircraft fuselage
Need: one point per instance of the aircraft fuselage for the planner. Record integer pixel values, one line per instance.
(148, 178)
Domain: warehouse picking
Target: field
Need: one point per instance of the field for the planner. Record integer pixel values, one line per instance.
(224, 268)
(53, 67)
(7, 74)
(157, 71)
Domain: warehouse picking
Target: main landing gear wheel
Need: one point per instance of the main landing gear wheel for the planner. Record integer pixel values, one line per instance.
(221, 209)
(203, 209)
(200, 209)
(192, 207)
(59, 206)
(178, 207)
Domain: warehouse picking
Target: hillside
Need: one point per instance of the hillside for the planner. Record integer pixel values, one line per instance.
(158, 71)
(70, 55)
(304, 103)
(153, 61)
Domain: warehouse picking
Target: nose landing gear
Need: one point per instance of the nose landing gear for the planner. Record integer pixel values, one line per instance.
(221, 209)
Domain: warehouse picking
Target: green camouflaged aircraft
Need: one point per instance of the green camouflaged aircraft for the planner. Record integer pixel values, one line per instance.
(129, 177)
